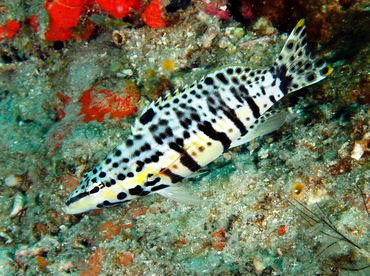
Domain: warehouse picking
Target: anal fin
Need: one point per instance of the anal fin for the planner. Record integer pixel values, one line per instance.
(266, 124)
(179, 194)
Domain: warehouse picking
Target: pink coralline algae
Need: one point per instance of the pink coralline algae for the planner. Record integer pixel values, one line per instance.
(218, 9)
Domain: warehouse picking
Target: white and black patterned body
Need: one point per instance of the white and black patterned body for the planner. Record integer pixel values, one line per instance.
(176, 136)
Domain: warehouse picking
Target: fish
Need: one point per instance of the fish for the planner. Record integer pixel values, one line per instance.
(177, 135)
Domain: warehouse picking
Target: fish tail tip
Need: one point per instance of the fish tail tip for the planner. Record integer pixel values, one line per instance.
(328, 71)
(300, 23)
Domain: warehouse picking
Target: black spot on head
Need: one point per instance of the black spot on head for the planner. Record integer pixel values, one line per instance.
(230, 71)
(115, 165)
(102, 174)
(95, 171)
(121, 176)
(108, 160)
(121, 196)
(130, 174)
(290, 45)
(176, 101)
(238, 70)
(117, 153)
(112, 181)
(94, 180)
(235, 80)
(199, 86)
(184, 96)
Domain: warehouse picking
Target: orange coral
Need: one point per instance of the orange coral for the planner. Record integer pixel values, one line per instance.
(153, 15)
(119, 8)
(97, 103)
(125, 258)
(9, 29)
(111, 229)
(94, 262)
(221, 238)
(42, 262)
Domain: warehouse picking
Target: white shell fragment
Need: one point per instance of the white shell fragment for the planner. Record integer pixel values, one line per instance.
(18, 204)
(13, 180)
(360, 147)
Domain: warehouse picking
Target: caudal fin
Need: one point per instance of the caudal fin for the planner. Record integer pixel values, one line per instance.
(295, 66)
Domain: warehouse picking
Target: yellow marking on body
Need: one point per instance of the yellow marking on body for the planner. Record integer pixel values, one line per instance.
(330, 70)
(300, 23)
(110, 194)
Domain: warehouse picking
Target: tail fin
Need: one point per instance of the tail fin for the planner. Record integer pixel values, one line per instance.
(295, 66)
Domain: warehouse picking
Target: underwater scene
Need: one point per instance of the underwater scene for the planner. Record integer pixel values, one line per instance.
(179, 137)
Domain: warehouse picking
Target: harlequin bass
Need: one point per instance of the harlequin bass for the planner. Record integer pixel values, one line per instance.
(176, 136)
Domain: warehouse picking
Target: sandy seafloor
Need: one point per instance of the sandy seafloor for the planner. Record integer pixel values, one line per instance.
(295, 202)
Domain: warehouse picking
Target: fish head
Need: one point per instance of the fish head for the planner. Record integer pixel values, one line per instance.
(94, 193)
